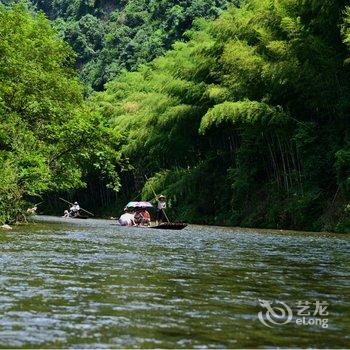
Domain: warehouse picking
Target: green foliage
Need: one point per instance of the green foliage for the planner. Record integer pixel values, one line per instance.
(247, 122)
(244, 122)
(48, 140)
(110, 36)
(243, 112)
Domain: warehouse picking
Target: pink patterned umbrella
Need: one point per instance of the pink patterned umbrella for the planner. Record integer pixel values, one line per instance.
(142, 205)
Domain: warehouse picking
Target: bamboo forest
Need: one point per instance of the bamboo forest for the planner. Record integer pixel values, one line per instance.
(237, 111)
(174, 174)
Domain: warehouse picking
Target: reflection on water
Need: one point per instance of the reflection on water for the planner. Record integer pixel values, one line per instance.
(93, 284)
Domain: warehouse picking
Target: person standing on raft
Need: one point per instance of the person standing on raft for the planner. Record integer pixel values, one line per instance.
(161, 206)
(75, 209)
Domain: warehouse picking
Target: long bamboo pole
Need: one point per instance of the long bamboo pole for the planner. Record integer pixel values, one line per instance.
(154, 192)
(73, 204)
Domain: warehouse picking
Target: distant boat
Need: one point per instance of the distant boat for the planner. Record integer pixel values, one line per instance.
(79, 216)
(170, 226)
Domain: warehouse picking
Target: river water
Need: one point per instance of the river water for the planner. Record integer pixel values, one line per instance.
(89, 283)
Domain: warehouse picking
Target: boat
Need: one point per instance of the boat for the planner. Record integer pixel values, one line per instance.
(79, 216)
(170, 226)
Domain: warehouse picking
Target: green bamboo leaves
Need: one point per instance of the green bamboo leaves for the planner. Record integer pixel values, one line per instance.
(246, 118)
(257, 114)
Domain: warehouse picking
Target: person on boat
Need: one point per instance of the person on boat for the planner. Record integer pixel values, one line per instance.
(138, 217)
(32, 211)
(127, 219)
(142, 217)
(66, 214)
(146, 218)
(161, 206)
(74, 210)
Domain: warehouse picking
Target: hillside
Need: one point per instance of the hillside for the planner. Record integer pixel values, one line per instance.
(248, 122)
(244, 121)
(109, 36)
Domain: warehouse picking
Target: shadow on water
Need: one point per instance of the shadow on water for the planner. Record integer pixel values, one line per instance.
(91, 283)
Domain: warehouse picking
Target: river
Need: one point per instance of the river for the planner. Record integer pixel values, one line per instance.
(89, 283)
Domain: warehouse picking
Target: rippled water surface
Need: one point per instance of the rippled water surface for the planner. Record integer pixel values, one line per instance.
(90, 283)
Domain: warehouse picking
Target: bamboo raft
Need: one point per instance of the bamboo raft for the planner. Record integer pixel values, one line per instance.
(79, 217)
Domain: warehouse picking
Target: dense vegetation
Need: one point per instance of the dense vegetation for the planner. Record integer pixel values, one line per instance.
(111, 35)
(48, 139)
(243, 122)
(248, 122)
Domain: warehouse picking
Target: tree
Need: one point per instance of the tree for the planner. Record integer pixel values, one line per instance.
(246, 123)
(109, 36)
(47, 136)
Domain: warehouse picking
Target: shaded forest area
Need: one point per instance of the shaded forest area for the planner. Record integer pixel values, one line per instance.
(242, 120)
